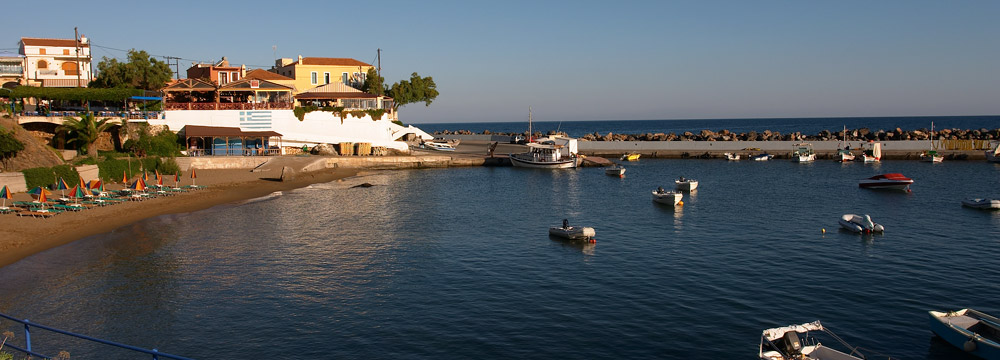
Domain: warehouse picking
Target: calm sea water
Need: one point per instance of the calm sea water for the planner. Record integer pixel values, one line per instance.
(783, 125)
(456, 263)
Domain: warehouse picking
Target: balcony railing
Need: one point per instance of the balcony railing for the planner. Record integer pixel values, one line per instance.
(228, 106)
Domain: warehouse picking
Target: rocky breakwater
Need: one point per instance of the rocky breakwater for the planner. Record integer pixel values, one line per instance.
(861, 134)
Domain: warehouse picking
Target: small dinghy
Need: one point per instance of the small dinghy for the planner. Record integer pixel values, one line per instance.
(984, 204)
(667, 197)
(631, 157)
(615, 170)
(784, 343)
(973, 331)
(860, 224)
(686, 184)
(572, 232)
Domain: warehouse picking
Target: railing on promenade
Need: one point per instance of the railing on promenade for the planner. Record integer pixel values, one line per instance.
(229, 106)
(155, 354)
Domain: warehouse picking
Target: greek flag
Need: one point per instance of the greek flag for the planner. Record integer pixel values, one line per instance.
(256, 120)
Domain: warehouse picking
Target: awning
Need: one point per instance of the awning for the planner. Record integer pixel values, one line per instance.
(222, 131)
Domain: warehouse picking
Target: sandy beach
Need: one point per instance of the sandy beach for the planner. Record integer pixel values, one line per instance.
(24, 236)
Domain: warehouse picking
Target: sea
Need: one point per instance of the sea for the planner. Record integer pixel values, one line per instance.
(456, 263)
(782, 125)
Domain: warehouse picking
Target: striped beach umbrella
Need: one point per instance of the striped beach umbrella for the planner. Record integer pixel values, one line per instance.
(77, 192)
(38, 190)
(5, 194)
(86, 190)
(62, 186)
(138, 185)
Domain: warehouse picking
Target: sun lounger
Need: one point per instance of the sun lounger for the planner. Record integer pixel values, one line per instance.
(37, 213)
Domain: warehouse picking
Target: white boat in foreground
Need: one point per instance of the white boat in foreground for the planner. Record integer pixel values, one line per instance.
(784, 343)
(974, 331)
(683, 184)
(873, 154)
(572, 232)
(615, 170)
(803, 152)
(667, 197)
(860, 224)
(985, 204)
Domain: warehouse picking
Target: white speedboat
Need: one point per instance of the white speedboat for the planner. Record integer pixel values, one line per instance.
(762, 157)
(784, 343)
(439, 146)
(860, 224)
(543, 156)
(803, 152)
(615, 170)
(986, 204)
(572, 232)
(732, 156)
(873, 154)
(683, 184)
(671, 198)
(892, 181)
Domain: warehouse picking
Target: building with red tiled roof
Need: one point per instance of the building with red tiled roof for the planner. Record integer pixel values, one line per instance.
(310, 72)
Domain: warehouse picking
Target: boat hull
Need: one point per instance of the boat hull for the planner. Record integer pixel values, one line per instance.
(888, 185)
(763, 157)
(573, 232)
(668, 198)
(686, 185)
(985, 204)
(559, 164)
(951, 326)
(615, 171)
(804, 158)
(858, 224)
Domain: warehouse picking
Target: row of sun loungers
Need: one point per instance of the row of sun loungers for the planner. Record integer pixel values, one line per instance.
(49, 209)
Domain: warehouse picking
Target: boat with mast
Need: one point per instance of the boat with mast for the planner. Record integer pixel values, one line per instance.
(931, 156)
(844, 149)
(555, 152)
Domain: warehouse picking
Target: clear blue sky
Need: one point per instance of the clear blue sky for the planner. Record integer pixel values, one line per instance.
(590, 60)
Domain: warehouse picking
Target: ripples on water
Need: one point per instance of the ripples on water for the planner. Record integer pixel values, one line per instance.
(455, 263)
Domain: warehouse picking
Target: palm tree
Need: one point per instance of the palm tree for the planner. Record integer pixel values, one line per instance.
(85, 130)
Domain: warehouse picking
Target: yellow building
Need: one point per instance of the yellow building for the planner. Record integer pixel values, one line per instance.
(311, 72)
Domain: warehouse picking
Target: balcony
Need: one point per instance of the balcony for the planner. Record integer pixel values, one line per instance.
(228, 106)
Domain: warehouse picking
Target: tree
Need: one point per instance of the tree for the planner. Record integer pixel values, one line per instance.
(416, 90)
(374, 83)
(140, 72)
(9, 145)
(85, 131)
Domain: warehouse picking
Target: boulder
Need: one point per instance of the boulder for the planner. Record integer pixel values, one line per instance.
(324, 150)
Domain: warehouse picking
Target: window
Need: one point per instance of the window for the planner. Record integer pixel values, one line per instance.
(235, 76)
(41, 51)
(313, 78)
(42, 64)
(326, 78)
(343, 78)
(65, 51)
(223, 78)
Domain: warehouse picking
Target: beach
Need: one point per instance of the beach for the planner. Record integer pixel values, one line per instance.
(24, 236)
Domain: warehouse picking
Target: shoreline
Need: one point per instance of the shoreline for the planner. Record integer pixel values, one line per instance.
(24, 237)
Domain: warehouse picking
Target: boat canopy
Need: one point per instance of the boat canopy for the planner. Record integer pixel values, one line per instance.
(777, 333)
(543, 146)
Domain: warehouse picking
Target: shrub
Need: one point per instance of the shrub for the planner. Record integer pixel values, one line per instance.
(47, 176)
(9, 145)
(376, 114)
(112, 169)
(163, 144)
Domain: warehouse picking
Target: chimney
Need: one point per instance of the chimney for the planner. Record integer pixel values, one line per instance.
(300, 59)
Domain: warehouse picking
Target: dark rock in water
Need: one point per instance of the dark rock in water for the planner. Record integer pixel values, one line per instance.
(365, 185)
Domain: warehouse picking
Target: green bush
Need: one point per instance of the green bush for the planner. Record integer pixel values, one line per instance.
(6, 355)
(376, 114)
(47, 176)
(163, 144)
(9, 145)
(113, 169)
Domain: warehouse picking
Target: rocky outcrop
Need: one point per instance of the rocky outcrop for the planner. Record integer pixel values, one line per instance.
(323, 150)
(35, 153)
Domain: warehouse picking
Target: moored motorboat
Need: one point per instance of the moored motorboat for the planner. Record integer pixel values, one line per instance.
(931, 156)
(732, 156)
(803, 152)
(683, 184)
(860, 224)
(974, 331)
(784, 343)
(572, 232)
(615, 170)
(762, 157)
(631, 157)
(893, 181)
(667, 197)
(985, 204)
(439, 146)
(993, 155)
(844, 153)
(543, 156)
(873, 154)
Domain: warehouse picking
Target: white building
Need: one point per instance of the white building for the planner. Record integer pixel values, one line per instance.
(56, 62)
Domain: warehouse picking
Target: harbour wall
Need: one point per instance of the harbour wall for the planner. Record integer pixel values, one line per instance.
(824, 149)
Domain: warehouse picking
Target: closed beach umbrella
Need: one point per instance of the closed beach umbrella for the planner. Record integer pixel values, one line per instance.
(42, 199)
(177, 179)
(5, 194)
(124, 177)
(159, 180)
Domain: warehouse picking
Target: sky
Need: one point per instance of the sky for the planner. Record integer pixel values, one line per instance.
(588, 60)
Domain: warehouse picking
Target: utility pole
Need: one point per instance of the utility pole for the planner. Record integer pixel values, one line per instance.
(79, 79)
(177, 65)
(379, 57)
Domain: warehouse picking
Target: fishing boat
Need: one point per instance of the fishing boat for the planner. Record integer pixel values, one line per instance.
(762, 157)
(543, 156)
(975, 332)
(984, 204)
(994, 155)
(683, 184)
(572, 232)
(803, 152)
(615, 170)
(630, 157)
(931, 156)
(844, 153)
(892, 181)
(860, 224)
(671, 198)
(732, 156)
(784, 343)
(873, 154)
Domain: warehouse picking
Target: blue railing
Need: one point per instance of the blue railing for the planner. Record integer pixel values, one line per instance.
(27, 341)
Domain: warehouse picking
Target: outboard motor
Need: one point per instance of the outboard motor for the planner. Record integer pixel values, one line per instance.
(791, 343)
(868, 224)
